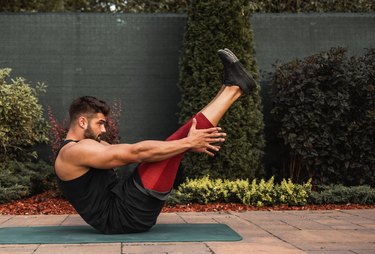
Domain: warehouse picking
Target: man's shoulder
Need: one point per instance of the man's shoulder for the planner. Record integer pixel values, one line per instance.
(88, 141)
(79, 146)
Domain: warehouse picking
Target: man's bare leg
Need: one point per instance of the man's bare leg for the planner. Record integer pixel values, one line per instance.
(159, 176)
(217, 95)
(216, 109)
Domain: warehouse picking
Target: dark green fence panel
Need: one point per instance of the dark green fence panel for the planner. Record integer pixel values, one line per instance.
(129, 57)
(134, 57)
(287, 36)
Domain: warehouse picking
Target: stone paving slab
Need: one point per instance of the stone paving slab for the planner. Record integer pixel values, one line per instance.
(338, 231)
(166, 248)
(18, 249)
(107, 248)
(171, 218)
(330, 252)
(249, 248)
(72, 220)
(4, 218)
(48, 220)
(19, 221)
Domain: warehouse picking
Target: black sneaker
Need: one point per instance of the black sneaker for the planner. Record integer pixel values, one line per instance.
(234, 72)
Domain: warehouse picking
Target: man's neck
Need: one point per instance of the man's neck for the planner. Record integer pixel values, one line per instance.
(74, 135)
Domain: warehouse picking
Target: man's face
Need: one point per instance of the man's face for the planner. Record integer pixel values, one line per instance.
(95, 127)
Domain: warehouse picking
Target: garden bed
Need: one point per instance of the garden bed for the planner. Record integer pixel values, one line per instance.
(47, 203)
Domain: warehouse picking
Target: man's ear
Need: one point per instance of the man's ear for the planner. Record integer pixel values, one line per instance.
(82, 122)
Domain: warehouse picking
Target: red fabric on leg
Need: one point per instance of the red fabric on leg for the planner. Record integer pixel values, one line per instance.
(159, 176)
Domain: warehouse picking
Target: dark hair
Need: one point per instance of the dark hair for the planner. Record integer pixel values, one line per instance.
(87, 105)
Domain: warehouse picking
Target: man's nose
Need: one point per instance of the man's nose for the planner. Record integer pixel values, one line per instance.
(103, 129)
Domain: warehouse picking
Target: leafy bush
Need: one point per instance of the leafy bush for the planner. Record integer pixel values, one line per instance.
(293, 194)
(325, 107)
(267, 193)
(206, 190)
(57, 132)
(112, 134)
(22, 124)
(18, 180)
(227, 25)
(360, 166)
(339, 194)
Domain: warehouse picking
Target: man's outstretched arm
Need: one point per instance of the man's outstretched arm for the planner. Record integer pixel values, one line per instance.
(90, 153)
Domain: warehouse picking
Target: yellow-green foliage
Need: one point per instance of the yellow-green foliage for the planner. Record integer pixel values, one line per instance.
(294, 194)
(257, 193)
(22, 123)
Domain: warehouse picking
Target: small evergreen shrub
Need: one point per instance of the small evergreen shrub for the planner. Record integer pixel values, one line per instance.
(268, 193)
(339, 194)
(257, 193)
(293, 194)
(22, 179)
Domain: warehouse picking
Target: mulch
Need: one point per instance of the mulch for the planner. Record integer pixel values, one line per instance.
(47, 203)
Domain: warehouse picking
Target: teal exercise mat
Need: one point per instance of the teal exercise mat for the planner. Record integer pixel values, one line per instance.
(86, 234)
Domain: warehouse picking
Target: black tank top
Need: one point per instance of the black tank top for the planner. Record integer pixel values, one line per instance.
(91, 194)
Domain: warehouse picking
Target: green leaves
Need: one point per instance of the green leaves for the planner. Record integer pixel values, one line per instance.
(339, 194)
(323, 104)
(21, 116)
(256, 193)
(21, 179)
(267, 193)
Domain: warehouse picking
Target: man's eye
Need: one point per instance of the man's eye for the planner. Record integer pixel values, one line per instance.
(103, 123)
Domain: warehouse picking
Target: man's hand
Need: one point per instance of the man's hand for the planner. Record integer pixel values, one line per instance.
(202, 139)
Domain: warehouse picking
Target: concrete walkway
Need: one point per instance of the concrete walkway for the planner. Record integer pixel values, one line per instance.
(338, 231)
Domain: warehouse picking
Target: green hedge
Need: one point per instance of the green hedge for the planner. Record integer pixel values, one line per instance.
(325, 107)
(268, 193)
(339, 194)
(313, 6)
(201, 78)
(19, 180)
(256, 193)
(180, 6)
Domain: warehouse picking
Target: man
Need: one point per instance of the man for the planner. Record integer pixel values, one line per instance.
(84, 164)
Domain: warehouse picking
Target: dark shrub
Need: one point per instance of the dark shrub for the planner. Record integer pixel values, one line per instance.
(325, 107)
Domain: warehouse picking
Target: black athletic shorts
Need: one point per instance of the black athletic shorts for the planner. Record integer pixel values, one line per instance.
(133, 208)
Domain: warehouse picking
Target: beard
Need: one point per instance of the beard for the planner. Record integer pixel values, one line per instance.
(89, 133)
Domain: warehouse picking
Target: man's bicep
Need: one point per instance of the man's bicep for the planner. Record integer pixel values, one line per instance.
(106, 157)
